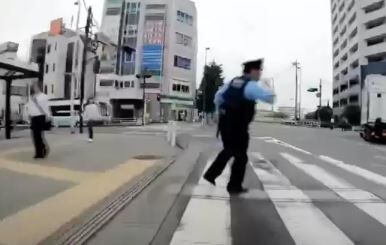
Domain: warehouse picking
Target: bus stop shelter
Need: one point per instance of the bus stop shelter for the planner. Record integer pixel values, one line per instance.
(10, 70)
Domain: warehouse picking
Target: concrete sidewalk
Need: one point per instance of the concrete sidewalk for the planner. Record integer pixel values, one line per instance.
(76, 180)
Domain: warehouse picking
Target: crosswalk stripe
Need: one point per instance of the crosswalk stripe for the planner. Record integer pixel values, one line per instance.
(305, 222)
(206, 220)
(364, 173)
(366, 201)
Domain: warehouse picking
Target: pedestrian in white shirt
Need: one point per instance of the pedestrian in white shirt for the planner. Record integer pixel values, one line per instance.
(91, 114)
(40, 116)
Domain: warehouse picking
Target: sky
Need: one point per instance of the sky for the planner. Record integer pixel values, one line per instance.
(279, 31)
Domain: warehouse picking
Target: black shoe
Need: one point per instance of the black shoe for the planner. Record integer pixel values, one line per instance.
(38, 157)
(210, 179)
(237, 190)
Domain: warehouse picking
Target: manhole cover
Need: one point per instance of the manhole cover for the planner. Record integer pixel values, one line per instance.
(147, 157)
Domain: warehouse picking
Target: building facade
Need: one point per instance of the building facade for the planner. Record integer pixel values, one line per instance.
(62, 55)
(359, 47)
(157, 37)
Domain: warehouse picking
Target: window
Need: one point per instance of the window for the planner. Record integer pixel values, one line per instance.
(56, 46)
(48, 48)
(52, 89)
(375, 23)
(127, 84)
(106, 83)
(375, 41)
(53, 67)
(183, 39)
(174, 87)
(155, 6)
(374, 7)
(113, 11)
(379, 95)
(45, 89)
(121, 84)
(184, 18)
(47, 68)
(181, 62)
(116, 84)
(132, 84)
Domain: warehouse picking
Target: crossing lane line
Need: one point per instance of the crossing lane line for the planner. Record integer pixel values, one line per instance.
(206, 220)
(306, 223)
(365, 201)
(364, 173)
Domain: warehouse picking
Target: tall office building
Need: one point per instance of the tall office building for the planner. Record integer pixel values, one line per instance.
(159, 37)
(359, 47)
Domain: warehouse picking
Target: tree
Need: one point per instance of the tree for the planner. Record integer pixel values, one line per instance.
(353, 114)
(211, 81)
(325, 114)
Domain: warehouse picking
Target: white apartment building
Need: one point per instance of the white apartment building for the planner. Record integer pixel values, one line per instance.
(159, 37)
(359, 47)
(62, 55)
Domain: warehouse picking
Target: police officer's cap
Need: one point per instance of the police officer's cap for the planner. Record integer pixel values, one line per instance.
(253, 64)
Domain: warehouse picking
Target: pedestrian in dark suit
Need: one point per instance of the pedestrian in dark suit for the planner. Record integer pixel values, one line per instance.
(40, 115)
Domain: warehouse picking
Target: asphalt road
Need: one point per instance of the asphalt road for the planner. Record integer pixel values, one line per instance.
(307, 186)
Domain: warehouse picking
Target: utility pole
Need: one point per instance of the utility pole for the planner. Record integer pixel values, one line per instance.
(84, 61)
(144, 76)
(296, 64)
(204, 87)
(75, 76)
(320, 93)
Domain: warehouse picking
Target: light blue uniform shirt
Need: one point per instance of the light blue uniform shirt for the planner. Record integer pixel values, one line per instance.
(253, 92)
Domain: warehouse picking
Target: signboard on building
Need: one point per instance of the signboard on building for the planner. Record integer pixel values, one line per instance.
(153, 43)
(56, 27)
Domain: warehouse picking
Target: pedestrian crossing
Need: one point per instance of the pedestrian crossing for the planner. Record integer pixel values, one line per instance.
(317, 216)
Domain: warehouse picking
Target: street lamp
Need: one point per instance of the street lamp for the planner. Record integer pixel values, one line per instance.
(144, 76)
(297, 67)
(319, 92)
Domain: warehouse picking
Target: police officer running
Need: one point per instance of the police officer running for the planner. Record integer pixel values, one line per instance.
(236, 104)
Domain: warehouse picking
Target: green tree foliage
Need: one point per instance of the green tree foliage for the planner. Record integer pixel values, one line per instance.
(212, 80)
(353, 114)
(325, 114)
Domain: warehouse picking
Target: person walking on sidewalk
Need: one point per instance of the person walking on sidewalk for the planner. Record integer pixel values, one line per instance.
(236, 103)
(40, 116)
(91, 114)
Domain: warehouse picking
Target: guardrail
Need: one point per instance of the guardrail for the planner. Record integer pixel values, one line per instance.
(305, 123)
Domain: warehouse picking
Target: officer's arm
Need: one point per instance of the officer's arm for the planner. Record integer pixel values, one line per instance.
(254, 91)
(218, 98)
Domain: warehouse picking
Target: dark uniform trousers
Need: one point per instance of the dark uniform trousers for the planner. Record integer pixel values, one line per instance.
(235, 142)
(37, 126)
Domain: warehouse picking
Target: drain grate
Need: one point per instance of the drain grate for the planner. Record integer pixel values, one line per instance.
(147, 157)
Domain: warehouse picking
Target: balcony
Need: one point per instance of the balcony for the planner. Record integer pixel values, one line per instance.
(365, 3)
(373, 15)
(375, 49)
(376, 30)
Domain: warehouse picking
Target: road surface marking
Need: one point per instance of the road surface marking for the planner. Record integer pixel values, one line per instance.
(39, 221)
(284, 144)
(46, 171)
(364, 173)
(206, 220)
(306, 223)
(366, 201)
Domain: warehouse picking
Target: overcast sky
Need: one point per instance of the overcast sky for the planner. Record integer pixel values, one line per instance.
(281, 31)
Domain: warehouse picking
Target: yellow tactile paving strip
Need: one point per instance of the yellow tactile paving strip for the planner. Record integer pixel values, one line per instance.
(55, 173)
(34, 224)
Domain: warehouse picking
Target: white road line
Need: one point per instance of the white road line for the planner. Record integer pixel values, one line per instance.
(206, 220)
(284, 144)
(366, 201)
(364, 173)
(306, 223)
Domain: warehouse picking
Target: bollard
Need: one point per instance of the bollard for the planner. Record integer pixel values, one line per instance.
(169, 131)
(173, 134)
